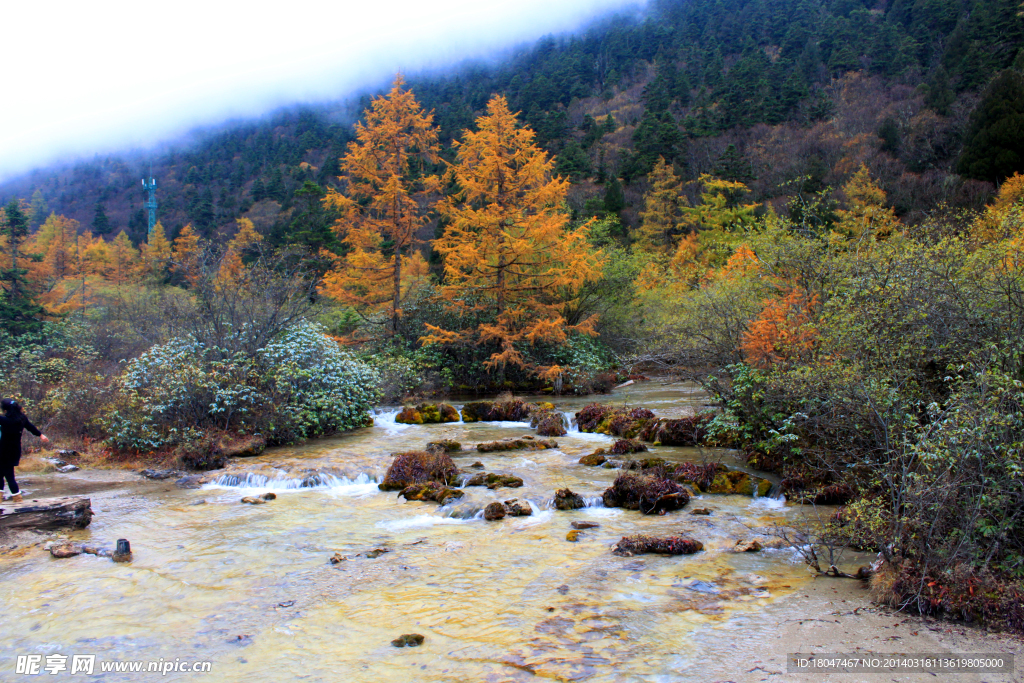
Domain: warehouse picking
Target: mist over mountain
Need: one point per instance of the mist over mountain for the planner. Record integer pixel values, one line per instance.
(763, 92)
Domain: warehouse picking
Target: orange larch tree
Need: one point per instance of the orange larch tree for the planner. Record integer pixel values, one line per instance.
(383, 206)
(508, 248)
(185, 255)
(231, 265)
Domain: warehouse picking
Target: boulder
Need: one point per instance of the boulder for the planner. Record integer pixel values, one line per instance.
(685, 431)
(431, 490)
(408, 640)
(594, 459)
(62, 550)
(159, 474)
(510, 508)
(65, 469)
(513, 508)
(585, 525)
(700, 511)
(253, 500)
(444, 446)
(746, 546)
(427, 413)
(505, 409)
(269, 495)
(494, 511)
(567, 500)
(494, 481)
(417, 467)
(672, 545)
(624, 422)
(548, 423)
(527, 443)
(647, 493)
(738, 483)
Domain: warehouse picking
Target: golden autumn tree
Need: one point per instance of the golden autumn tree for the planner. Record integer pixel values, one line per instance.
(784, 330)
(866, 214)
(56, 241)
(185, 254)
(124, 259)
(156, 252)
(508, 249)
(383, 206)
(662, 212)
(231, 265)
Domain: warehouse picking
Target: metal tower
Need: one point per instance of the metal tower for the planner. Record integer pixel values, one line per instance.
(150, 204)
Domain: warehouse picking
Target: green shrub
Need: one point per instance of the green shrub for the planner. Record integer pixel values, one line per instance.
(300, 385)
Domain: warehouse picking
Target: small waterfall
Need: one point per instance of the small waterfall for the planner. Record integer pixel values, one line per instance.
(593, 501)
(569, 420)
(385, 419)
(316, 480)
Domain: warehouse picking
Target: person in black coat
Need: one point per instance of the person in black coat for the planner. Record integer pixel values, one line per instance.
(12, 423)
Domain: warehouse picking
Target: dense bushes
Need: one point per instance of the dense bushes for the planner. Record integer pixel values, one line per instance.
(881, 371)
(299, 385)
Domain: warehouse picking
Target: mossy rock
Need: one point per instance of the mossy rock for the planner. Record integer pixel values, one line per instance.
(431, 491)
(526, 443)
(428, 413)
(477, 411)
(444, 446)
(573, 536)
(594, 459)
(739, 483)
(418, 467)
(494, 481)
(565, 499)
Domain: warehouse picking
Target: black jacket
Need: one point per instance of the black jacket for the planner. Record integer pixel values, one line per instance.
(10, 437)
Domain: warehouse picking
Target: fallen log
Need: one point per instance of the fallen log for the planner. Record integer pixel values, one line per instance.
(46, 513)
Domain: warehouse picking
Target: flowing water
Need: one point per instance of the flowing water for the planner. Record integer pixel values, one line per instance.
(250, 588)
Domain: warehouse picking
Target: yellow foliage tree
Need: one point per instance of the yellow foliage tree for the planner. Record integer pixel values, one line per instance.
(124, 259)
(784, 330)
(56, 241)
(508, 249)
(231, 265)
(156, 252)
(384, 206)
(1004, 217)
(663, 206)
(866, 214)
(185, 254)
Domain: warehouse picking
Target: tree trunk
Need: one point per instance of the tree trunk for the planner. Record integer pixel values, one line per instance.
(45, 513)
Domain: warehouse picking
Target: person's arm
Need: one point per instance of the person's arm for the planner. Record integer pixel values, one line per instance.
(35, 430)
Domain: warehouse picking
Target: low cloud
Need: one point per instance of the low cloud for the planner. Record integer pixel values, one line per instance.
(90, 78)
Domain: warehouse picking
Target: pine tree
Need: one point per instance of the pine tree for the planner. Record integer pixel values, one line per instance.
(19, 312)
(994, 142)
(507, 247)
(100, 222)
(614, 198)
(39, 209)
(383, 206)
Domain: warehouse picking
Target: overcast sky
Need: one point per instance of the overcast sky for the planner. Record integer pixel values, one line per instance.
(87, 77)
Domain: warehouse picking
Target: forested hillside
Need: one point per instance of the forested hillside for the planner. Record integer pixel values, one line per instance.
(788, 96)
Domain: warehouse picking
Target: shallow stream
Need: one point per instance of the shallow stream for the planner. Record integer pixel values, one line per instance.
(250, 588)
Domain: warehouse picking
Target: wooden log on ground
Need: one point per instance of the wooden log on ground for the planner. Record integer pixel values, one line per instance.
(45, 513)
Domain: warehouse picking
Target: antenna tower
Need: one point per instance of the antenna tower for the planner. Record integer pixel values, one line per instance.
(150, 204)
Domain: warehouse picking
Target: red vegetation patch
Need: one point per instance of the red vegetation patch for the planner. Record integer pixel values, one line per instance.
(647, 493)
(416, 467)
(625, 446)
(702, 475)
